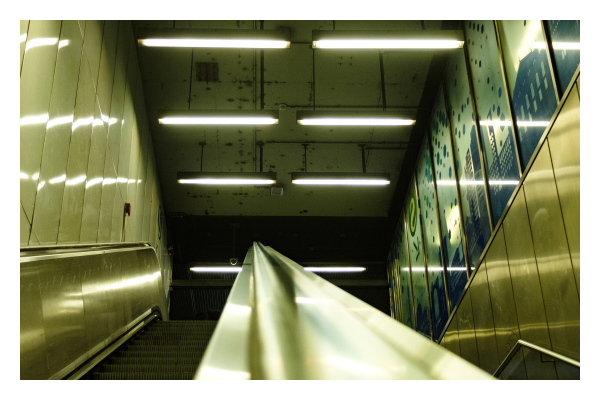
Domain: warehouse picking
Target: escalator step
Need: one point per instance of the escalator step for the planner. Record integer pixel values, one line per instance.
(142, 376)
(155, 360)
(153, 368)
(163, 354)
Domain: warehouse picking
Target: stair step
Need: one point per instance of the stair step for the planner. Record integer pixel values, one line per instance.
(142, 376)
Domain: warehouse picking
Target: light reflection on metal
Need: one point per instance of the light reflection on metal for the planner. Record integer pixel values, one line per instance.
(40, 42)
(334, 269)
(63, 43)
(58, 179)
(92, 182)
(60, 121)
(34, 119)
(332, 335)
(559, 45)
(76, 180)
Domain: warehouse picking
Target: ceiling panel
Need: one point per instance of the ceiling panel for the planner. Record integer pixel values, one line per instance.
(343, 80)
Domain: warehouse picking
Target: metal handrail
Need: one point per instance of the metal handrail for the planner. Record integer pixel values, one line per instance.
(36, 253)
(522, 343)
(281, 322)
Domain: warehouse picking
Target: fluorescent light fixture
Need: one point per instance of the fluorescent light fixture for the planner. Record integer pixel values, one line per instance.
(559, 45)
(335, 269)
(340, 178)
(216, 269)
(311, 269)
(218, 117)
(388, 40)
(356, 121)
(215, 38)
(227, 178)
(216, 43)
(354, 118)
(217, 121)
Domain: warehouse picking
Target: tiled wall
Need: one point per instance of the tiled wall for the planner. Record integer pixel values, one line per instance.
(491, 216)
(527, 286)
(86, 149)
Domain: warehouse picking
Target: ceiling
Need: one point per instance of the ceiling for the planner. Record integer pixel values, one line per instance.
(343, 80)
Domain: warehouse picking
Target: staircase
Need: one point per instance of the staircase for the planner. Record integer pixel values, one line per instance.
(163, 350)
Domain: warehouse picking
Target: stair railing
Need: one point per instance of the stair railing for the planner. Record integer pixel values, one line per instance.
(522, 343)
(281, 322)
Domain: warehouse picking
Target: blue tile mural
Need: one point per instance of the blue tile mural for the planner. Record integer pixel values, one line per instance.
(443, 168)
(529, 80)
(564, 36)
(401, 267)
(430, 224)
(495, 126)
(417, 265)
(468, 162)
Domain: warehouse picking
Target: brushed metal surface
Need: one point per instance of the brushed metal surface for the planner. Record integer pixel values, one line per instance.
(93, 281)
(290, 324)
(71, 307)
(564, 142)
(466, 330)
(451, 337)
(503, 305)
(552, 255)
(483, 321)
(526, 287)
(34, 364)
(62, 307)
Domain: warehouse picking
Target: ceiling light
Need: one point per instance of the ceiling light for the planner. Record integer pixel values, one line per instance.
(219, 117)
(340, 178)
(388, 40)
(334, 269)
(217, 121)
(215, 38)
(310, 269)
(227, 178)
(216, 269)
(328, 118)
(356, 121)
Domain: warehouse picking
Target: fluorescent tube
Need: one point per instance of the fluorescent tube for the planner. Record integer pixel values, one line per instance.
(356, 121)
(217, 121)
(387, 44)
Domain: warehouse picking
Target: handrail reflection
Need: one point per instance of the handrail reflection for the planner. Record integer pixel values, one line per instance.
(281, 322)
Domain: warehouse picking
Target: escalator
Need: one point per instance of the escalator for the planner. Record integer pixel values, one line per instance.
(162, 350)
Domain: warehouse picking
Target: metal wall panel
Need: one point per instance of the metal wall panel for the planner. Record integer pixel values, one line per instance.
(74, 306)
(93, 281)
(564, 149)
(503, 304)
(526, 286)
(466, 330)
(483, 321)
(62, 307)
(552, 254)
(451, 337)
(34, 364)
